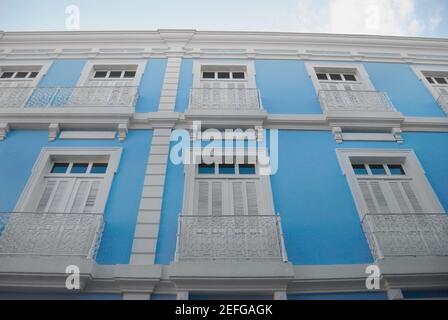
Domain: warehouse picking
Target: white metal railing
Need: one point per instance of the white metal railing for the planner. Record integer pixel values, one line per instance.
(247, 237)
(443, 102)
(59, 97)
(342, 100)
(233, 99)
(50, 234)
(414, 234)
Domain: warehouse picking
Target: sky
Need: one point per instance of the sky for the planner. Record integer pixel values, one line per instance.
(426, 18)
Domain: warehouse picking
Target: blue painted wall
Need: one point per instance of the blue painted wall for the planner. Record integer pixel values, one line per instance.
(320, 221)
(63, 73)
(408, 94)
(171, 207)
(285, 87)
(20, 150)
(329, 231)
(339, 296)
(151, 85)
(185, 84)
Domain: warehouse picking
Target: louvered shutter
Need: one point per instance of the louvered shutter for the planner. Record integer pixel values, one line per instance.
(84, 195)
(244, 197)
(55, 196)
(210, 197)
(390, 196)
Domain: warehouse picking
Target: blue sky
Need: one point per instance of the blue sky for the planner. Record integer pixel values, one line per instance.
(386, 17)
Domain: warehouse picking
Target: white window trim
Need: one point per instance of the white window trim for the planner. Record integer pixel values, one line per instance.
(412, 164)
(361, 73)
(89, 68)
(198, 64)
(43, 65)
(191, 172)
(45, 159)
(418, 70)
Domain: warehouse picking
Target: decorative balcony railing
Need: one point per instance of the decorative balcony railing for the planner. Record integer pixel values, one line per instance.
(443, 102)
(50, 234)
(61, 97)
(227, 99)
(230, 238)
(341, 100)
(394, 235)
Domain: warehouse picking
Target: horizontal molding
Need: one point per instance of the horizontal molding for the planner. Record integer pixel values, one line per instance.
(87, 135)
(178, 43)
(26, 274)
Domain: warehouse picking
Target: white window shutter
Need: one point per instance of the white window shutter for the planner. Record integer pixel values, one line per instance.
(45, 198)
(252, 198)
(60, 196)
(203, 198)
(91, 198)
(374, 198)
(412, 197)
(80, 197)
(238, 197)
(217, 198)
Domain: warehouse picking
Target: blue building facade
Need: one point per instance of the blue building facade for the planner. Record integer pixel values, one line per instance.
(351, 205)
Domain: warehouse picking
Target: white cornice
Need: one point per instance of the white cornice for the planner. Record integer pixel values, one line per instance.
(222, 44)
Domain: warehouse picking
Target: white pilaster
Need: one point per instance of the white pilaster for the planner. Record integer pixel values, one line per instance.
(147, 227)
(170, 84)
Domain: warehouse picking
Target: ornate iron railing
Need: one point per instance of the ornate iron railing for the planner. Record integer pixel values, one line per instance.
(443, 102)
(413, 234)
(230, 238)
(50, 234)
(233, 99)
(341, 100)
(61, 97)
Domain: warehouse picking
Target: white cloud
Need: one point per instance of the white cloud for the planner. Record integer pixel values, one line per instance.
(382, 17)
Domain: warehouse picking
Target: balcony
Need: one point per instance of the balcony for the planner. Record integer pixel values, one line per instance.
(250, 238)
(354, 101)
(68, 97)
(396, 235)
(227, 99)
(443, 102)
(50, 234)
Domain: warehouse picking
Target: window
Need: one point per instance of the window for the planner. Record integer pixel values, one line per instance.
(378, 169)
(226, 169)
(123, 74)
(18, 75)
(387, 181)
(336, 76)
(70, 181)
(223, 75)
(78, 168)
(436, 81)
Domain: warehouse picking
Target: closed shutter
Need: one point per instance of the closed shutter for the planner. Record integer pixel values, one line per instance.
(55, 195)
(210, 197)
(390, 196)
(84, 196)
(227, 197)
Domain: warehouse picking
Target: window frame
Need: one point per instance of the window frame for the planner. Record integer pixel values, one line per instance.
(350, 68)
(410, 164)
(198, 65)
(41, 67)
(420, 73)
(48, 156)
(92, 66)
(191, 175)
